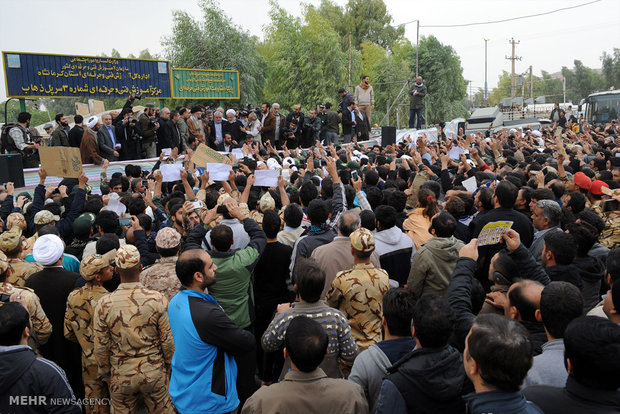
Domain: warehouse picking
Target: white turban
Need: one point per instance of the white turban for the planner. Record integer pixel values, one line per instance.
(92, 122)
(231, 111)
(48, 249)
(537, 133)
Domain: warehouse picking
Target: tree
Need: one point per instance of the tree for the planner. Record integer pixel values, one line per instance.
(441, 70)
(369, 20)
(215, 43)
(581, 81)
(304, 60)
(611, 68)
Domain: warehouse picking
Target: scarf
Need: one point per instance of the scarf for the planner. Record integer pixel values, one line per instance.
(364, 86)
(316, 230)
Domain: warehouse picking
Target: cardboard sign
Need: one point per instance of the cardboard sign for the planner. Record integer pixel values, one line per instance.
(63, 162)
(204, 155)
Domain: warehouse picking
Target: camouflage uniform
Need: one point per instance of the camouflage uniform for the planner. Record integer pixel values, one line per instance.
(78, 327)
(20, 270)
(40, 324)
(162, 277)
(358, 293)
(133, 343)
(610, 236)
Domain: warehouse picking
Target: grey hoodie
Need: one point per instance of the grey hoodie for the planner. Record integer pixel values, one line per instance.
(433, 265)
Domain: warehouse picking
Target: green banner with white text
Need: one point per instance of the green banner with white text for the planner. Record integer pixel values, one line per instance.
(204, 84)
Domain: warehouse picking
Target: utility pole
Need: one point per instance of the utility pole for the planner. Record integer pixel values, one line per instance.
(417, 48)
(513, 58)
(531, 84)
(486, 90)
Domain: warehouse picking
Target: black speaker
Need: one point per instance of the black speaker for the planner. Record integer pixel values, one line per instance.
(388, 135)
(12, 170)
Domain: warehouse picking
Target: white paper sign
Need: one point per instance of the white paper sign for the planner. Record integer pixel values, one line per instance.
(470, 184)
(171, 172)
(455, 152)
(116, 206)
(266, 178)
(166, 151)
(218, 171)
(237, 153)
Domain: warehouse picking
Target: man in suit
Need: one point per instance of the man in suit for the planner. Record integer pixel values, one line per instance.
(75, 133)
(348, 123)
(216, 128)
(546, 219)
(268, 124)
(166, 137)
(106, 138)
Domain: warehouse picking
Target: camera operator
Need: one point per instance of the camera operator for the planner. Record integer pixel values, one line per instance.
(291, 134)
(129, 134)
(165, 134)
(311, 128)
(149, 126)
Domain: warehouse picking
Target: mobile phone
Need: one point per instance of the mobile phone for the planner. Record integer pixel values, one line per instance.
(354, 175)
(610, 205)
(145, 183)
(124, 221)
(5, 298)
(197, 205)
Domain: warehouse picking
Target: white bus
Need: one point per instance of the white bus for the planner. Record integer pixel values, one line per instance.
(601, 106)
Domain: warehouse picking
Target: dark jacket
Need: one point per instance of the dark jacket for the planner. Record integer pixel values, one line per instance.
(347, 98)
(575, 398)
(591, 269)
(234, 129)
(65, 225)
(500, 402)
(106, 146)
(222, 147)
(348, 126)
(268, 132)
(60, 137)
(565, 273)
(22, 374)
(299, 118)
(75, 136)
(149, 133)
(332, 121)
(311, 128)
(429, 380)
(417, 101)
(291, 136)
(521, 225)
(167, 135)
(53, 285)
(89, 149)
(130, 138)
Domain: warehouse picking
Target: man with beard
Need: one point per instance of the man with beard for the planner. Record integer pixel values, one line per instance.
(21, 141)
(129, 135)
(89, 148)
(60, 136)
(206, 341)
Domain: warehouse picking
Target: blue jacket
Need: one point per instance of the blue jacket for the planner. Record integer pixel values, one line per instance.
(204, 372)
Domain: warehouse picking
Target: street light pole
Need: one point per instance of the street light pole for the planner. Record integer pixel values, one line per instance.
(486, 91)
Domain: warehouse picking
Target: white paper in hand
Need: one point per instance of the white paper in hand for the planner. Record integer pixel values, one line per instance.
(266, 178)
(218, 171)
(166, 151)
(470, 184)
(455, 153)
(116, 206)
(237, 153)
(171, 172)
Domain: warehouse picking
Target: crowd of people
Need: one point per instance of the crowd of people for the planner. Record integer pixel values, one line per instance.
(355, 284)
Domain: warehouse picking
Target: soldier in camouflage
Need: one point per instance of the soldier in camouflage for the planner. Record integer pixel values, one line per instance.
(133, 342)
(78, 326)
(161, 276)
(41, 326)
(11, 243)
(358, 292)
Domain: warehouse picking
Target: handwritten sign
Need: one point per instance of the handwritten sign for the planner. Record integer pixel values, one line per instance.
(492, 232)
(63, 162)
(39, 75)
(205, 84)
(204, 155)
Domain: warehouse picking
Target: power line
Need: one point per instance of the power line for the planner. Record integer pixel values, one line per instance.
(502, 20)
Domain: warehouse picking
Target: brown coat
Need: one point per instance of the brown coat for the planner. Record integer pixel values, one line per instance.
(269, 128)
(89, 149)
(308, 393)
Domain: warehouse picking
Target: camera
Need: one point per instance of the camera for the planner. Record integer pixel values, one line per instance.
(248, 107)
(133, 97)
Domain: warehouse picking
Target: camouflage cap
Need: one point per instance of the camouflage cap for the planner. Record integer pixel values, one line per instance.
(267, 202)
(45, 217)
(16, 220)
(363, 240)
(127, 257)
(9, 240)
(167, 238)
(4, 263)
(94, 263)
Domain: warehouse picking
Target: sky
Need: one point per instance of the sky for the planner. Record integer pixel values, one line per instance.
(93, 27)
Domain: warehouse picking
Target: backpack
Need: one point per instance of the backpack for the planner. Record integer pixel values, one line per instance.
(6, 142)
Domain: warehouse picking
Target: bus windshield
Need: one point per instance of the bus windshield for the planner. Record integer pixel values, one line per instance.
(603, 108)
